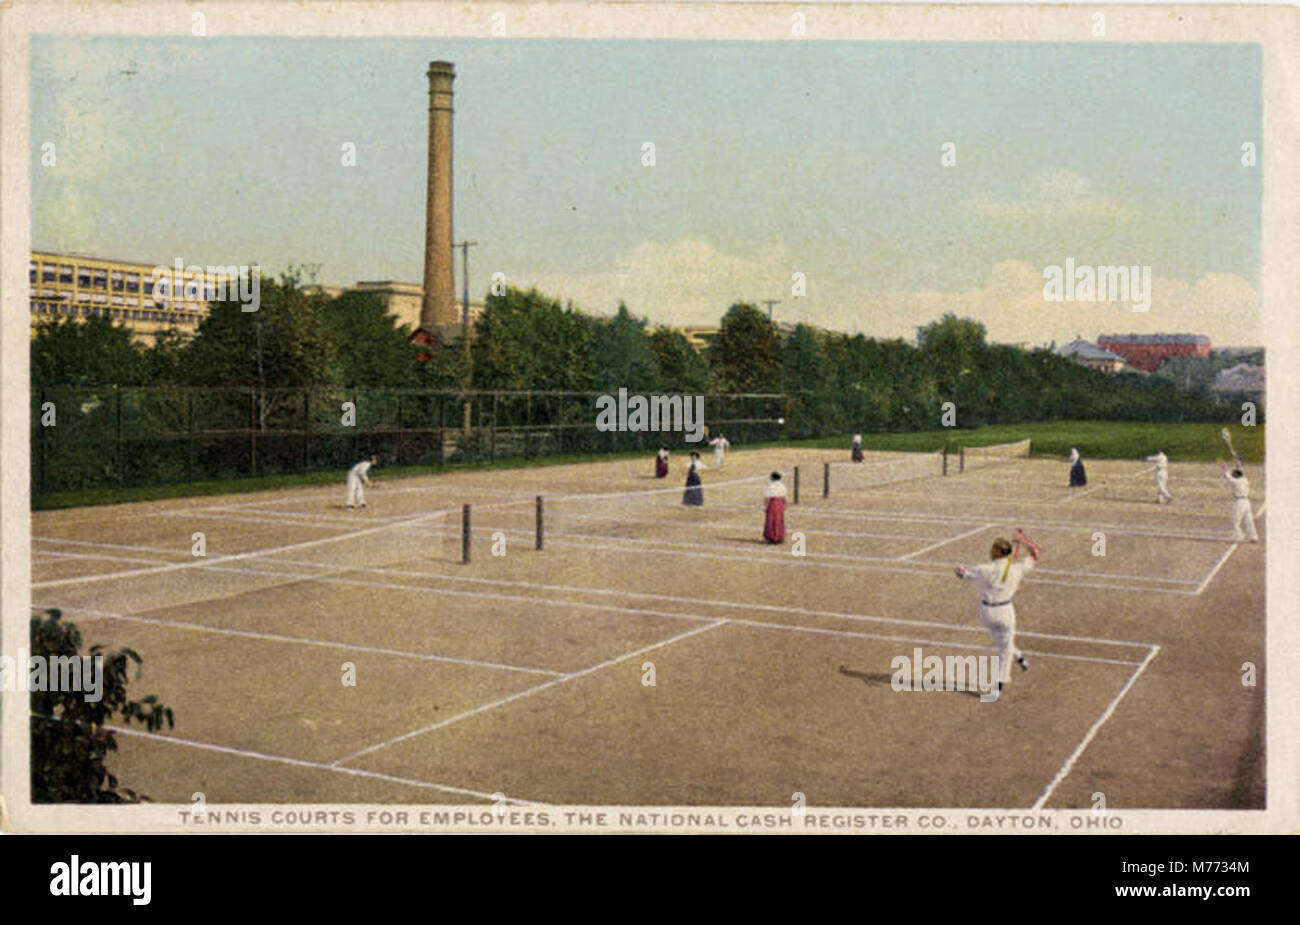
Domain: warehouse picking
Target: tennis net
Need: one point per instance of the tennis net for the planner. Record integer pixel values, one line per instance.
(848, 476)
(979, 457)
(381, 543)
(563, 519)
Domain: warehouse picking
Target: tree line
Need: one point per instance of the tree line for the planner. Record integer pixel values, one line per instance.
(832, 382)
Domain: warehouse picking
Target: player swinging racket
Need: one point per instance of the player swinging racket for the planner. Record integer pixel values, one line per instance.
(1162, 476)
(357, 477)
(1241, 510)
(996, 582)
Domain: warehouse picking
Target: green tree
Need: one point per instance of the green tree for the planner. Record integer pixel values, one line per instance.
(370, 344)
(681, 367)
(809, 384)
(624, 355)
(524, 340)
(746, 354)
(89, 352)
(70, 736)
(281, 345)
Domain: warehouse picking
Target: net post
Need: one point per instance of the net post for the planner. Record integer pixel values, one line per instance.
(540, 522)
(961, 462)
(945, 460)
(826, 480)
(464, 535)
(796, 485)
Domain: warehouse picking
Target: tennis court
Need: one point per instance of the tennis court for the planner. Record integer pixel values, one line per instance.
(522, 672)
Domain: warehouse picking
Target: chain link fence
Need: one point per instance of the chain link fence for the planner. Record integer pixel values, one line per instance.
(97, 437)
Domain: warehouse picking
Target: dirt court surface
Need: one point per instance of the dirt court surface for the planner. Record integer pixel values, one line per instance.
(524, 674)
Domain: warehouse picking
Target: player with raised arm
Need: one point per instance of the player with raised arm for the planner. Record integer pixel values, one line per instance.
(996, 582)
(1242, 512)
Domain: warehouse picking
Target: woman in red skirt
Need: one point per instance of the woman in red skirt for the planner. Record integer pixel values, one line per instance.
(774, 526)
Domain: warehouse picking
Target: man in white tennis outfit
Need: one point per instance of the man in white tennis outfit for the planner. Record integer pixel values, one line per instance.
(1241, 509)
(357, 477)
(1162, 476)
(996, 583)
(720, 446)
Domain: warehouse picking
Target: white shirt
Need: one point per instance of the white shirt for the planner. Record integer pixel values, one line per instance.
(1161, 461)
(776, 489)
(1074, 456)
(1240, 487)
(719, 443)
(989, 582)
(359, 470)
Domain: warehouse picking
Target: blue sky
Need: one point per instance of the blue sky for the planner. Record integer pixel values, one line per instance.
(771, 159)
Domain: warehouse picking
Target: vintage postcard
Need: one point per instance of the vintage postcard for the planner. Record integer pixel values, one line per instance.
(604, 418)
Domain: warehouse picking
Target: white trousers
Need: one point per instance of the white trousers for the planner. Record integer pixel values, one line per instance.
(1001, 624)
(717, 459)
(356, 494)
(1162, 488)
(1242, 513)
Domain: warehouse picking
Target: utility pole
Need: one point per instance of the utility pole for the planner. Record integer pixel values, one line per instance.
(467, 379)
(769, 303)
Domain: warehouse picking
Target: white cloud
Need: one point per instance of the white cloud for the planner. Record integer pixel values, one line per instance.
(692, 282)
(683, 282)
(1057, 193)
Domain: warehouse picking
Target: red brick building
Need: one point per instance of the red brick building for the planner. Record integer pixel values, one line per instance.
(1147, 351)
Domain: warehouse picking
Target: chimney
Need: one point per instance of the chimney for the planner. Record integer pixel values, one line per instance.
(439, 305)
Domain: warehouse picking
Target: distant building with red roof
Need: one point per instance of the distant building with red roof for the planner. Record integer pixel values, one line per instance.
(1147, 351)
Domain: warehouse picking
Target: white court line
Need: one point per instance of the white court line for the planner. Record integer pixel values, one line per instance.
(934, 568)
(199, 562)
(95, 545)
(317, 765)
(623, 593)
(908, 517)
(613, 609)
(1218, 565)
(105, 557)
(298, 518)
(528, 692)
(951, 539)
(1075, 496)
(629, 544)
(848, 634)
(1104, 483)
(1183, 510)
(302, 640)
(1106, 714)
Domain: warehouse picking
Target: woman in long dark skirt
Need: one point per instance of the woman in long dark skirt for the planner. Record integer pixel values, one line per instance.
(694, 494)
(856, 454)
(661, 462)
(1078, 477)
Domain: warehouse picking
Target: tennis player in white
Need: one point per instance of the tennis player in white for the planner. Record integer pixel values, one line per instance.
(1162, 476)
(357, 477)
(720, 445)
(1241, 509)
(996, 583)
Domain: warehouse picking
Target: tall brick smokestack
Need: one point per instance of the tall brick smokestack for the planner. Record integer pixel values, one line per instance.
(439, 305)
